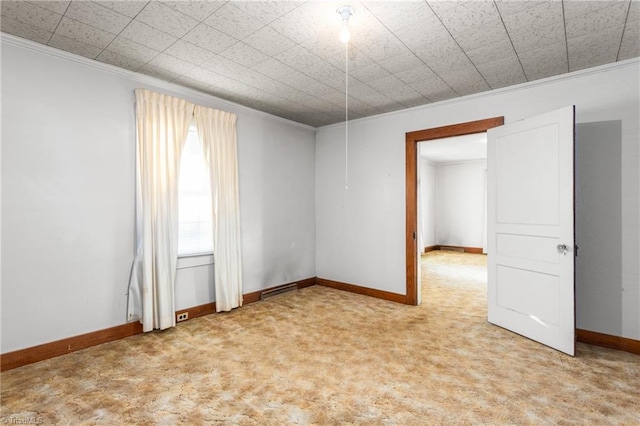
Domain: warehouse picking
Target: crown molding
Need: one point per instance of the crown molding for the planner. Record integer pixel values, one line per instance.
(142, 78)
(627, 63)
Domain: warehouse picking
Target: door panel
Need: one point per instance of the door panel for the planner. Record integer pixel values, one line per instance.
(536, 248)
(531, 293)
(527, 177)
(530, 214)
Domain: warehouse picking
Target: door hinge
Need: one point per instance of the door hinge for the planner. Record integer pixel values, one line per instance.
(414, 235)
(576, 251)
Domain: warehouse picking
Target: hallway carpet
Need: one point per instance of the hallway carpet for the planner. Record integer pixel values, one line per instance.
(328, 357)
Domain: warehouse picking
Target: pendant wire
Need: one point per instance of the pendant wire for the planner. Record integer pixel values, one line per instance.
(346, 116)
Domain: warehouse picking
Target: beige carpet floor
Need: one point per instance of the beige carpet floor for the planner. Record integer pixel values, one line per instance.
(322, 356)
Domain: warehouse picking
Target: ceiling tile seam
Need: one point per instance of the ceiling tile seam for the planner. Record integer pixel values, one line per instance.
(624, 28)
(122, 30)
(216, 54)
(511, 41)
(177, 39)
(159, 30)
(131, 41)
(182, 38)
(258, 63)
(28, 26)
(193, 29)
(409, 85)
(82, 42)
(229, 35)
(258, 29)
(460, 47)
(164, 51)
(58, 24)
(364, 84)
(412, 52)
(274, 94)
(269, 58)
(185, 60)
(278, 81)
(189, 16)
(318, 81)
(285, 14)
(566, 40)
(353, 98)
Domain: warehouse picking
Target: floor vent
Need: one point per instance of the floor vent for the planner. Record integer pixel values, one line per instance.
(278, 290)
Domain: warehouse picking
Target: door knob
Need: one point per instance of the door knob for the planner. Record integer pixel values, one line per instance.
(562, 248)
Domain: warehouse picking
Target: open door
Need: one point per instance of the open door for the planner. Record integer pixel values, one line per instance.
(530, 228)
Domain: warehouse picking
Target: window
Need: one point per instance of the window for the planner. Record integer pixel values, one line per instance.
(194, 200)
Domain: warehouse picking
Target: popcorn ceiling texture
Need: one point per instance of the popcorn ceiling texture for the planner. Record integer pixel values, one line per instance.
(323, 356)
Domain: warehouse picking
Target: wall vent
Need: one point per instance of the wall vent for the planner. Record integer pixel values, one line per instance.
(278, 290)
(452, 248)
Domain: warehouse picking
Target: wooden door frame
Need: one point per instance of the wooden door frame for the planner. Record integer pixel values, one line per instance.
(412, 141)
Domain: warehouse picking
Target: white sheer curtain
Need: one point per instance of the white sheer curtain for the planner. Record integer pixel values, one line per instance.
(162, 124)
(217, 132)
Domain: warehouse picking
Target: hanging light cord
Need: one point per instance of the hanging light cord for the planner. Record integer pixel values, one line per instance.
(346, 116)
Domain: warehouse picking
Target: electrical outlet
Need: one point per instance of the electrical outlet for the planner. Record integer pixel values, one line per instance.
(183, 316)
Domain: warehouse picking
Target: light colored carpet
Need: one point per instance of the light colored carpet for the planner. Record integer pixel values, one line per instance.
(322, 356)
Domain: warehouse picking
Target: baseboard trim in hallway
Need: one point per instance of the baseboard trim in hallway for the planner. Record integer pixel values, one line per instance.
(474, 250)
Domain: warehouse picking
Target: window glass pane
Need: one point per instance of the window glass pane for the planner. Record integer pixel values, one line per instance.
(195, 231)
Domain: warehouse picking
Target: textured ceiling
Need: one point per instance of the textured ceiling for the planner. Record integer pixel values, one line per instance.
(285, 57)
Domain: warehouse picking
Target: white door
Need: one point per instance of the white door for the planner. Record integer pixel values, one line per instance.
(530, 228)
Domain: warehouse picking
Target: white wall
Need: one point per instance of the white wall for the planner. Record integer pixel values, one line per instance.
(598, 218)
(460, 203)
(361, 231)
(68, 139)
(427, 203)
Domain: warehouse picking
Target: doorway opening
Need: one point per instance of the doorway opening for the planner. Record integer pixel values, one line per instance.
(411, 149)
(452, 217)
(452, 194)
